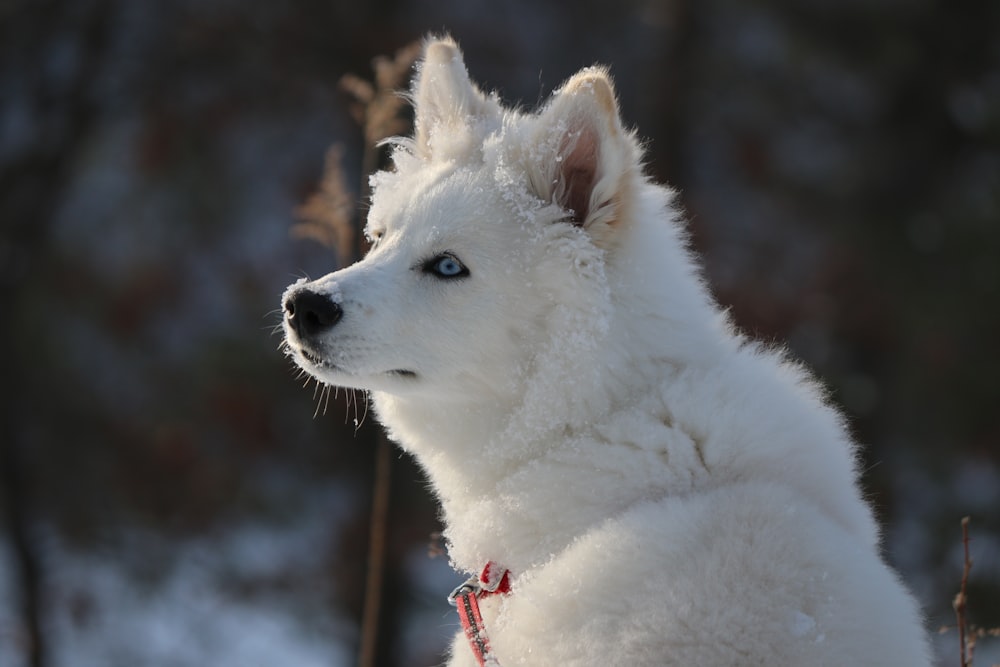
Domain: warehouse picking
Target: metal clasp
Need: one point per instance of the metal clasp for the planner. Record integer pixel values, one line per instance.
(471, 585)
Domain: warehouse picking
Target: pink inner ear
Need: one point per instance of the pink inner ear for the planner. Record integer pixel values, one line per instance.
(578, 172)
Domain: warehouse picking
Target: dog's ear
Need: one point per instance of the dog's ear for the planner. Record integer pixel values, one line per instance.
(446, 103)
(588, 155)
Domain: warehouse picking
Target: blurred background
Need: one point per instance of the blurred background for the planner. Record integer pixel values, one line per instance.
(171, 496)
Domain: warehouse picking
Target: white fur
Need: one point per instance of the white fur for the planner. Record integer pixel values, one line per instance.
(663, 491)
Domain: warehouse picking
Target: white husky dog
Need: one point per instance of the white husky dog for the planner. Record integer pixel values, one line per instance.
(653, 488)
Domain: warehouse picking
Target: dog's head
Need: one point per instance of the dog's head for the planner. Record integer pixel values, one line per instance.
(489, 243)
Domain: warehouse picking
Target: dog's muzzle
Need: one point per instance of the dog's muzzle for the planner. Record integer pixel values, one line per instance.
(310, 314)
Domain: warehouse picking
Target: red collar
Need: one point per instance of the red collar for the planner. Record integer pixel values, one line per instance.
(493, 580)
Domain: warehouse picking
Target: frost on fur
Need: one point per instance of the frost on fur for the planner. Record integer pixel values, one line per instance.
(662, 491)
(446, 102)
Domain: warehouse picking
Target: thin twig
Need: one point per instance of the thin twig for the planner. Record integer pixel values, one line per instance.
(967, 644)
(376, 552)
(18, 505)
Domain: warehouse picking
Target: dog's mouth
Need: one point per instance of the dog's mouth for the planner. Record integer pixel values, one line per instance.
(321, 362)
(315, 359)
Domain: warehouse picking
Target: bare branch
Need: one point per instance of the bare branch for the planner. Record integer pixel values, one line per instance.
(966, 640)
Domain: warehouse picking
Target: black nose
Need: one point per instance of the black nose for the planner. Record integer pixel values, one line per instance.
(310, 313)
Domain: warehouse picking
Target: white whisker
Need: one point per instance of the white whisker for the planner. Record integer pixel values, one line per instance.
(357, 424)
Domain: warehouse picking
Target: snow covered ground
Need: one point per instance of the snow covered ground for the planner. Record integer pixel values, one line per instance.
(252, 595)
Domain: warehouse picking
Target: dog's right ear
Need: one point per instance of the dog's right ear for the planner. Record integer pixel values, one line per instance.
(446, 103)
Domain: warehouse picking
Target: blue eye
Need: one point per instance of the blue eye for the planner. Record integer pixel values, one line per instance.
(446, 266)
